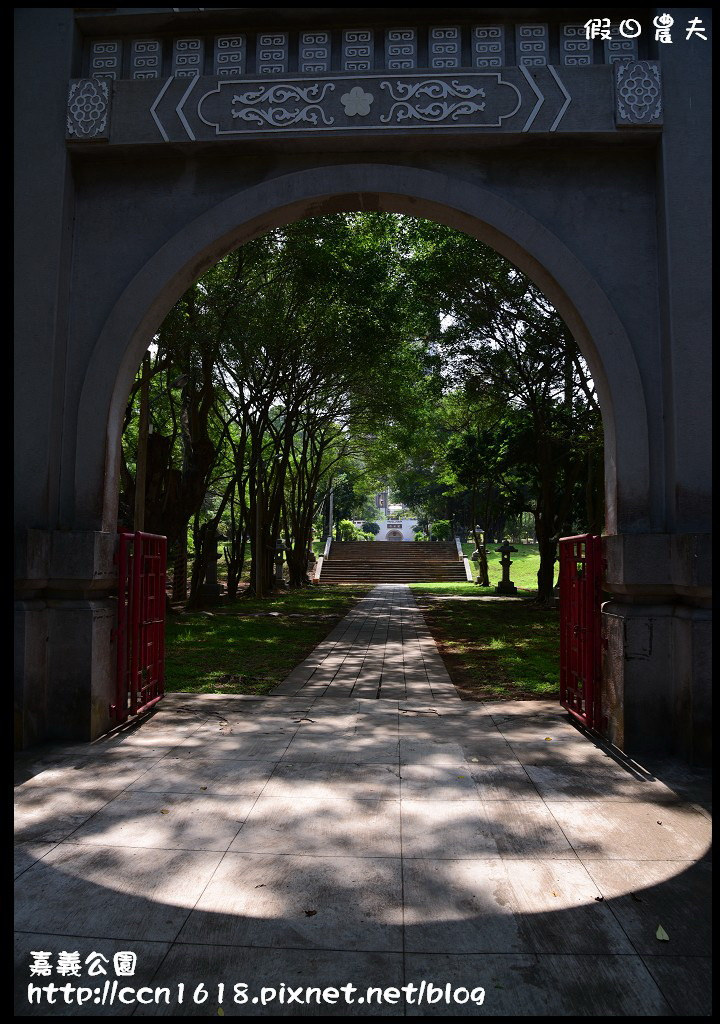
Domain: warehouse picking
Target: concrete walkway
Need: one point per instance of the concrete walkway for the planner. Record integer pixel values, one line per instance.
(382, 648)
(323, 840)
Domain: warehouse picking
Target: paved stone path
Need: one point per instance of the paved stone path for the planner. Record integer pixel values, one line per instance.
(322, 840)
(382, 648)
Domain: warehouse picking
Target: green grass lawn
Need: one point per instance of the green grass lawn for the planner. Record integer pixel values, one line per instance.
(234, 651)
(495, 650)
(523, 571)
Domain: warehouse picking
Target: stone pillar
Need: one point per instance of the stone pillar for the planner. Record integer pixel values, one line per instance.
(30, 657)
(65, 616)
(656, 683)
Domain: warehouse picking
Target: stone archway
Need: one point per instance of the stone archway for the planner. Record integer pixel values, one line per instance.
(482, 213)
(524, 241)
(117, 216)
(634, 483)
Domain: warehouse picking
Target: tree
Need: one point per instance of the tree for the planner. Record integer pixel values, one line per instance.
(370, 527)
(507, 351)
(342, 353)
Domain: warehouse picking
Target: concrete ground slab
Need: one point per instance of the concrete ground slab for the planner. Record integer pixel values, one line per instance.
(460, 843)
(166, 821)
(27, 854)
(601, 830)
(362, 751)
(257, 969)
(105, 892)
(234, 747)
(541, 986)
(303, 780)
(45, 815)
(470, 829)
(438, 782)
(506, 782)
(611, 782)
(216, 777)
(150, 955)
(645, 894)
(460, 906)
(91, 773)
(685, 982)
(329, 827)
(348, 903)
(560, 912)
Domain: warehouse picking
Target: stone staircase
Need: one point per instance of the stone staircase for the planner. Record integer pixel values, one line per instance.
(392, 562)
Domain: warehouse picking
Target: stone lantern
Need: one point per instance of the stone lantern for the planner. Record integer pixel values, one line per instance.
(280, 548)
(506, 586)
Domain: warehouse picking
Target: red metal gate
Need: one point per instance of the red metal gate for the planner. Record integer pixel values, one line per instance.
(580, 643)
(142, 563)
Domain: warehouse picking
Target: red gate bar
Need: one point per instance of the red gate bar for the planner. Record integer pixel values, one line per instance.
(580, 643)
(142, 564)
(121, 637)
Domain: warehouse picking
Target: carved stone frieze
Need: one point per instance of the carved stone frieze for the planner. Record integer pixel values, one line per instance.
(88, 109)
(638, 93)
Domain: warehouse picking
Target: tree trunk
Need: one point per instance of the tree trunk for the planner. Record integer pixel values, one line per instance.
(180, 572)
(547, 545)
(198, 571)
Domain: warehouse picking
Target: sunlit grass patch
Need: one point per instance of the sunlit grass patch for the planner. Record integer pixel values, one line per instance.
(497, 650)
(235, 650)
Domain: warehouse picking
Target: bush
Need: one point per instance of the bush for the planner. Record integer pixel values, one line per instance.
(369, 527)
(349, 531)
(440, 530)
(367, 535)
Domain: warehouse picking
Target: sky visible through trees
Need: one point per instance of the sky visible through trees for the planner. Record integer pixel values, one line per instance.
(353, 352)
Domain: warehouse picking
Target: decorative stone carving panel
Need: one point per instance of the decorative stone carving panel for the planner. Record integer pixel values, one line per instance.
(272, 53)
(575, 49)
(314, 54)
(374, 102)
(401, 49)
(358, 50)
(638, 93)
(531, 45)
(229, 56)
(146, 58)
(88, 112)
(618, 47)
(488, 46)
(187, 61)
(444, 47)
(106, 59)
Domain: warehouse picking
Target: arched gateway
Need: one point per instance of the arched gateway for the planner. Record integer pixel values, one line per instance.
(151, 142)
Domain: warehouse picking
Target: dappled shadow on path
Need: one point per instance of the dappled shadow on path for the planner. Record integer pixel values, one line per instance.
(330, 842)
